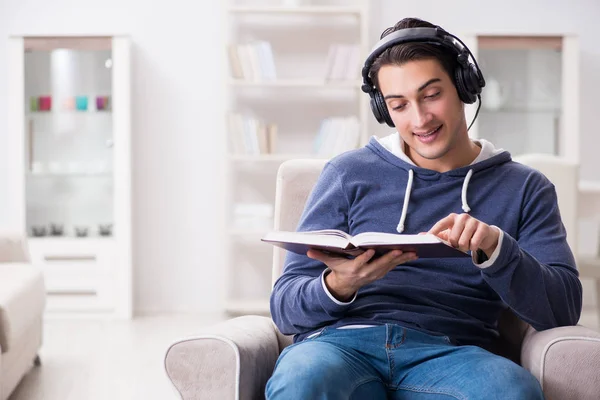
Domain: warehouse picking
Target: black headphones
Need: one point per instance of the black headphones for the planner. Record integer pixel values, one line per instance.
(468, 78)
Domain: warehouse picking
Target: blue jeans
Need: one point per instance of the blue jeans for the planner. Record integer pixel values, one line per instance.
(392, 362)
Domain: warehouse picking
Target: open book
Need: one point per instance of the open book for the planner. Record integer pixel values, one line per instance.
(338, 242)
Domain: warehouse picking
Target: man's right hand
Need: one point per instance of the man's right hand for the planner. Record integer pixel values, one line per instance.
(347, 276)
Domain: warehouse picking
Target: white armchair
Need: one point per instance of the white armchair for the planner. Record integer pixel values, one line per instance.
(234, 359)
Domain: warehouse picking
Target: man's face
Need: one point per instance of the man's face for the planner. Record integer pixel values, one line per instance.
(425, 107)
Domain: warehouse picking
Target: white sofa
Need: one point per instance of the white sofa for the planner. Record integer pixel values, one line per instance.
(22, 303)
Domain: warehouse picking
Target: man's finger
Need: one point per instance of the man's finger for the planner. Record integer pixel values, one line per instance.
(442, 224)
(365, 257)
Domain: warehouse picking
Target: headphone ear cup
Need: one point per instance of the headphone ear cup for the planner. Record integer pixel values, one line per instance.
(461, 87)
(469, 81)
(375, 110)
(474, 80)
(380, 110)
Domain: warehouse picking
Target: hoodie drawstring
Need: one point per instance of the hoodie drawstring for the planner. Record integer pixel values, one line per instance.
(400, 227)
(463, 196)
(465, 205)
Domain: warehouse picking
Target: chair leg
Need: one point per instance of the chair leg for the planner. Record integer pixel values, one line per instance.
(38, 361)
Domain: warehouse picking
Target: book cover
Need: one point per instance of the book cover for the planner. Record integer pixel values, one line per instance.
(338, 242)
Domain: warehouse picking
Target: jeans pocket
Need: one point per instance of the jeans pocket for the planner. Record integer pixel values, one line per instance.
(316, 334)
(447, 340)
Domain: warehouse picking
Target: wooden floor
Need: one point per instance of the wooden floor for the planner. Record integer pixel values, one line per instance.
(93, 360)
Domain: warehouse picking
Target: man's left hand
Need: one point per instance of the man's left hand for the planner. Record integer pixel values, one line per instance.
(467, 233)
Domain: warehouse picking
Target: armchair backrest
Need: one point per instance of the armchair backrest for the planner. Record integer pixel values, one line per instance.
(296, 178)
(14, 247)
(564, 174)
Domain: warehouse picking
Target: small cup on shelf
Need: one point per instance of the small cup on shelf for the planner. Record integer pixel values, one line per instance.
(81, 231)
(34, 103)
(57, 229)
(38, 230)
(105, 229)
(102, 103)
(45, 103)
(69, 103)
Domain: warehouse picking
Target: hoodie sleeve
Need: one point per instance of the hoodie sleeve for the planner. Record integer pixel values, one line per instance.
(535, 273)
(299, 300)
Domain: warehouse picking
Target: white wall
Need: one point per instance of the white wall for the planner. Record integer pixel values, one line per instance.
(178, 73)
(178, 145)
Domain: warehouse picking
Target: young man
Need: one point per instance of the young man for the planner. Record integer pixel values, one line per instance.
(403, 328)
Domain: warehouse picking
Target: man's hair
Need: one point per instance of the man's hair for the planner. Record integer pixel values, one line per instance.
(412, 51)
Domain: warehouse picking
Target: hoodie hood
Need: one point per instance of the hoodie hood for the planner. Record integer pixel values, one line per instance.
(391, 148)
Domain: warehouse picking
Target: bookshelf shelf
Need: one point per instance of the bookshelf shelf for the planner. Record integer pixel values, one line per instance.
(306, 10)
(298, 83)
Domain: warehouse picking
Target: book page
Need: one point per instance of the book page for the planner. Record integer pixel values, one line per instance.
(367, 238)
(327, 238)
(330, 232)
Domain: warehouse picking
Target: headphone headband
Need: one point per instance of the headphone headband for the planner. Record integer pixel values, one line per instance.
(467, 76)
(433, 36)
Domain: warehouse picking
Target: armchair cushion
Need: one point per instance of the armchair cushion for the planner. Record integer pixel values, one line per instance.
(227, 360)
(22, 301)
(565, 360)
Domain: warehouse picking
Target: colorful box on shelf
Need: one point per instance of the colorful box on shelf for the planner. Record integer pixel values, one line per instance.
(69, 103)
(103, 103)
(81, 103)
(40, 103)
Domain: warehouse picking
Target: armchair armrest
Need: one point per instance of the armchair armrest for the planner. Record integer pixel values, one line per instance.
(230, 360)
(13, 247)
(565, 360)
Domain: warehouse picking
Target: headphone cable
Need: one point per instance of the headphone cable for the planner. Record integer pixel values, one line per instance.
(476, 112)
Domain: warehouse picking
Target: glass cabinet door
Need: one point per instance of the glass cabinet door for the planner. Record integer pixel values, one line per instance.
(521, 102)
(530, 101)
(68, 137)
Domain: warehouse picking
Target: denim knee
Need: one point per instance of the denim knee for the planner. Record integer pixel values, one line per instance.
(508, 381)
(314, 370)
(520, 384)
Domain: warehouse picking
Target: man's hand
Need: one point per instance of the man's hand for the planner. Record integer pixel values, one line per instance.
(347, 276)
(467, 233)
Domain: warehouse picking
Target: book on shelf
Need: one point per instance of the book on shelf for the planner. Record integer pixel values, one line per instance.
(337, 135)
(343, 62)
(252, 61)
(334, 241)
(251, 136)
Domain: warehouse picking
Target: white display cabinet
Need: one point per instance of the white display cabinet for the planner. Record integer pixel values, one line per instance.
(70, 168)
(530, 103)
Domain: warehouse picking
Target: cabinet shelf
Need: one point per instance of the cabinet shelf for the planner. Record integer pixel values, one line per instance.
(52, 113)
(299, 10)
(69, 174)
(298, 83)
(71, 241)
(522, 110)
